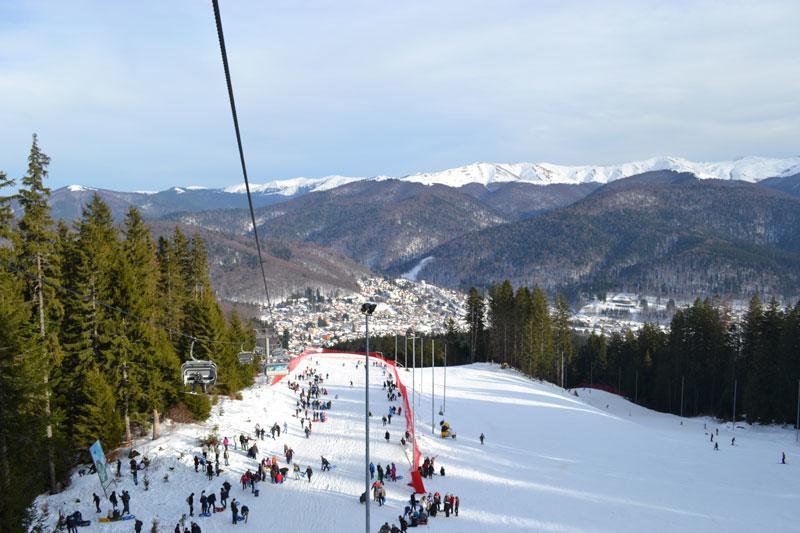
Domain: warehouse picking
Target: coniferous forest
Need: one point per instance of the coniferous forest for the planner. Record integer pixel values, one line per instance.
(95, 321)
(704, 351)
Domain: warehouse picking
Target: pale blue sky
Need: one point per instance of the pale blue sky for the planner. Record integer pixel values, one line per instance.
(131, 95)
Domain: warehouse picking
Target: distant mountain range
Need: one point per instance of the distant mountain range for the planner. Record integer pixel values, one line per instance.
(67, 201)
(659, 232)
(665, 225)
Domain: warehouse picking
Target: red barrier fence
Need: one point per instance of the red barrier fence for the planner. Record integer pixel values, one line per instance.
(416, 478)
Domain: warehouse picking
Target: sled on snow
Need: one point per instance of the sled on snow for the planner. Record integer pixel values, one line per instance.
(106, 519)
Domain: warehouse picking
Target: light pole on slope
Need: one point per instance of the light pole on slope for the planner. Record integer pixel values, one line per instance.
(367, 309)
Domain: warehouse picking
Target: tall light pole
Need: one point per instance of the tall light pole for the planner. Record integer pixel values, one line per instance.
(421, 367)
(413, 398)
(733, 416)
(395, 349)
(444, 400)
(433, 382)
(367, 309)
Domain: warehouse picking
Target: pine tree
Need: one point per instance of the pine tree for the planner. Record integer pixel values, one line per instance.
(521, 315)
(500, 315)
(97, 417)
(6, 214)
(562, 332)
(171, 284)
(21, 421)
(148, 375)
(540, 333)
(40, 267)
(475, 320)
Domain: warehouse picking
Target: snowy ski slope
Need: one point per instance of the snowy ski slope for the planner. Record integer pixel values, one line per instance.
(552, 462)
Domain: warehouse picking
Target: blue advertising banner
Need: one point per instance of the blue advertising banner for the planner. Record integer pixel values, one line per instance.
(99, 459)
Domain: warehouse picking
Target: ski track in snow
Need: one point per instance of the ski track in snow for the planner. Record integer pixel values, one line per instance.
(552, 462)
(414, 272)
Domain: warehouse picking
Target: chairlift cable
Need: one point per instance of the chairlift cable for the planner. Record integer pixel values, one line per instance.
(218, 20)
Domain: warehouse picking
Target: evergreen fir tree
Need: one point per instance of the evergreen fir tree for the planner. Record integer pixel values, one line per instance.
(97, 417)
(41, 269)
(475, 320)
(540, 333)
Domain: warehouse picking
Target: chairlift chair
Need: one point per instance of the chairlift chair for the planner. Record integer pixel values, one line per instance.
(198, 372)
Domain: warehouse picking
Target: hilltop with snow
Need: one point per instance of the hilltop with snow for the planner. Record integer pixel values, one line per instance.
(750, 169)
(554, 460)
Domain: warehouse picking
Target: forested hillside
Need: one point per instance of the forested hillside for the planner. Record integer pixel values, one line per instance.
(697, 359)
(662, 233)
(376, 223)
(94, 324)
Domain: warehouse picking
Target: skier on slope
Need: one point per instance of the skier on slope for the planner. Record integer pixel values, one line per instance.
(482, 437)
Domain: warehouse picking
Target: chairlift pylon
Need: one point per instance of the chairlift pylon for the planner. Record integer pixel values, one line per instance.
(198, 372)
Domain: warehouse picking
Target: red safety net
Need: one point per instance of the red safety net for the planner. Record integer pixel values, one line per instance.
(416, 477)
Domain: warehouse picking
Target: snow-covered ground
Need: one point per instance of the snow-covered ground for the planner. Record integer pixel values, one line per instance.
(551, 462)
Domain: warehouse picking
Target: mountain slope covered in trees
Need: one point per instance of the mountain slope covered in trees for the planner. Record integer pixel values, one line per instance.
(661, 232)
(94, 324)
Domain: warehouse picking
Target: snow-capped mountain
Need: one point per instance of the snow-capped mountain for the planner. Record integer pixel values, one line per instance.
(751, 169)
(294, 186)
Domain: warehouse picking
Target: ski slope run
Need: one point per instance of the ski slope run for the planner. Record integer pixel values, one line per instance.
(551, 462)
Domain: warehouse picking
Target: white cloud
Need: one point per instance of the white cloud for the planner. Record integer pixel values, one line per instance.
(134, 93)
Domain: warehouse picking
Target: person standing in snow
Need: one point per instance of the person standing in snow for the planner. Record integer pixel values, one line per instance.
(196, 463)
(126, 500)
(783, 458)
(96, 500)
(113, 499)
(134, 471)
(371, 470)
(733, 441)
(225, 456)
(234, 510)
(386, 436)
(482, 437)
(190, 501)
(309, 472)
(203, 503)
(210, 471)
(137, 526)
(456, 503)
